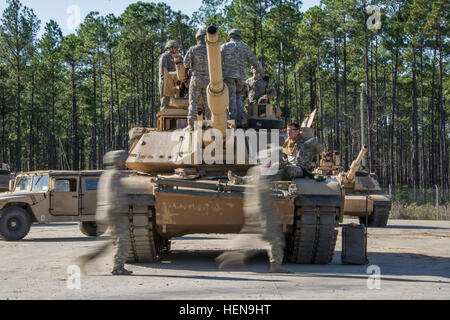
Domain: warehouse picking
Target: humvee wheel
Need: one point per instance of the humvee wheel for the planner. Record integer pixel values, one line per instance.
(313, 239)
(15, 223)
(378, 219)
(89, 228)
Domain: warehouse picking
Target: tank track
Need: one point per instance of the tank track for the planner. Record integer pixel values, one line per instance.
(314, 238)
(145, 243)
(379, 217)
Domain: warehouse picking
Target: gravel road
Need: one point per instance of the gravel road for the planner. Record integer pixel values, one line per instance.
(413, 258)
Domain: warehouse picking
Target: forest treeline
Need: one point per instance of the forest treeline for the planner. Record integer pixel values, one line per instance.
(66, 100)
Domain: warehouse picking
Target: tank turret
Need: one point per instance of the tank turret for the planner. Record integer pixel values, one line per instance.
(364, 194)
(350, 176)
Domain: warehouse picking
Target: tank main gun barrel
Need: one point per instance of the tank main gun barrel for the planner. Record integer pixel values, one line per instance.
(356, 164)
(217, 93)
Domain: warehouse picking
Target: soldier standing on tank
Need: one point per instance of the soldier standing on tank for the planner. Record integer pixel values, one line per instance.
(166, 61)
(112, 211)
(259, 89)
(235, 56)
(196, 61)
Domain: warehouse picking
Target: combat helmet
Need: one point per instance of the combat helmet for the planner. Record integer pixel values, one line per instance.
(200, 33)
(235, 33)
(171, 44)
(113, 157)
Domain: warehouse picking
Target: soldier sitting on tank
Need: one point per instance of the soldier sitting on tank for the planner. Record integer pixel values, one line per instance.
(166, 61)
(113, 203)
(299, 153)
(235, 56)
(196, 61)
(259, 90)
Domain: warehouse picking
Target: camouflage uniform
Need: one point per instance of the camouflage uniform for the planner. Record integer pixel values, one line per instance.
(166, 61)
(261, 221)
(301, 162)
(255, 88)
(260, 217)
(196, 61)
(112, 211)
(235, 56)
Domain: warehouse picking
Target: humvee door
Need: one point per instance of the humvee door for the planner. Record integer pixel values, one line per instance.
(89, 187)
(64, 196)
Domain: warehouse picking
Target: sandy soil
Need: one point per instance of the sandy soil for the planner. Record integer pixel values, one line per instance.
(412, 256)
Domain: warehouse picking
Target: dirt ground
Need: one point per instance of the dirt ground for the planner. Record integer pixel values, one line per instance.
(413, 258)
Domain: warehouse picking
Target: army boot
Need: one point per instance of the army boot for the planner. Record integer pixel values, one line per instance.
(235, 179)
(230, 259)
(121, 271)
(277, 268)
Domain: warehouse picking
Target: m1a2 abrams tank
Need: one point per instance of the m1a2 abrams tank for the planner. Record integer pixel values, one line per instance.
(362, 190)
(199, 198)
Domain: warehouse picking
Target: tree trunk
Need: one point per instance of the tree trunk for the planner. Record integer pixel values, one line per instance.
(93, 164)
(75, 137)
(415, 160)
(346, 114)
(393, 113)
(336, 143)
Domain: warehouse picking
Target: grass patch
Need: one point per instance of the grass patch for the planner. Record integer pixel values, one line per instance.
(418, 212)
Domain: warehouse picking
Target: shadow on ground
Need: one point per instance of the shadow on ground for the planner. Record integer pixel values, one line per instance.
(392, 266)
(414, 227)
(68, 239)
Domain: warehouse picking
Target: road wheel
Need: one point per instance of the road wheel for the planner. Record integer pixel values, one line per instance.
(89, 228)
(15, 223)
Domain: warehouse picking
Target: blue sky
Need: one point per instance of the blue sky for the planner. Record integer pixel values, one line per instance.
(65, 12)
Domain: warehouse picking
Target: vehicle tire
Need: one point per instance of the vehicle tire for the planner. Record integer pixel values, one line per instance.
(15, 223)
(89, 228)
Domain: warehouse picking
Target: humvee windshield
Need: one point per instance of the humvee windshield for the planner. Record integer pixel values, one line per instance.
(24, 184)
(40, 183)
(32, 183)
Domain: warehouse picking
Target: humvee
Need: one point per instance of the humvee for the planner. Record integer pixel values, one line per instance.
(46, 197)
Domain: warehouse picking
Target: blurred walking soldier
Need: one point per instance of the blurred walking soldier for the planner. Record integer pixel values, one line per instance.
(166, 62)
(196, 61)
(112, 210)
(261, 220)
(235, 56)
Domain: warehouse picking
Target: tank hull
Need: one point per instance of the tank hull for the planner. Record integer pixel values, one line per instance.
(178, 211)
(376, 206)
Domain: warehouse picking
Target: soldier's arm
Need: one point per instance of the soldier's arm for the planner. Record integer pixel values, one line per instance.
(271, 92)
(246, 89)
(163, 63)
(161, 67)
(222, 51)
(251, 58)
(188, 60)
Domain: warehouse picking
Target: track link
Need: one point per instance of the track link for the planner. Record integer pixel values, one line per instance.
(145, 243)
(379, 217)
(314, 238)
